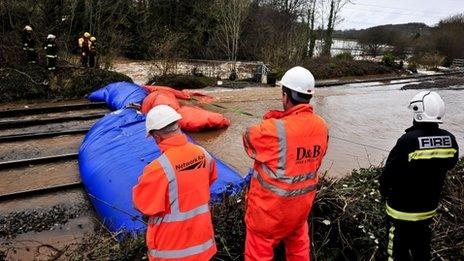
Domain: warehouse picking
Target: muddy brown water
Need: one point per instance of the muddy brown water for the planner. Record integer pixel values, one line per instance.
(365, 121)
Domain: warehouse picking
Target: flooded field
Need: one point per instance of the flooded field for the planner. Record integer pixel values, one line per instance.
(365, 122)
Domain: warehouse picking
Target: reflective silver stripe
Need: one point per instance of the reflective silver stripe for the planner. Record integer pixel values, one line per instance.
(249, 144)
(283, 192)
(51, 56)
(182, 253)
(176, 214)
(288, 179)
(181, 216)
(282, 148)
(173, 192)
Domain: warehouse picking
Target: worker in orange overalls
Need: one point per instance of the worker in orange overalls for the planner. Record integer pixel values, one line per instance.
(287, 148)
(173, 192)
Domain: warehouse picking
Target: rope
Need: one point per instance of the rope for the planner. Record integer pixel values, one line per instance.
(134, 218)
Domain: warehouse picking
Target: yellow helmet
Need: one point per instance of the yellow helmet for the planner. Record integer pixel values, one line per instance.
(28, 28)
(86, 34)
(93, 39)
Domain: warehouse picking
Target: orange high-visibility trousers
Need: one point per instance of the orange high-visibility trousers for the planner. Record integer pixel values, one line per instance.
(258, 248)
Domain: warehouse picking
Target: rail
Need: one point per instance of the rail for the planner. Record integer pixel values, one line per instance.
(50, 109)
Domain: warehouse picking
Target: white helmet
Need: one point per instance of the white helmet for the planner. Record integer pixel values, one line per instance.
(298, 79)
(159, 117)
(427, 107)
(51, 36)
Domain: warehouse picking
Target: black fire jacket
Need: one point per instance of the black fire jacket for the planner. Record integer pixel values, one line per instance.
(416, 167)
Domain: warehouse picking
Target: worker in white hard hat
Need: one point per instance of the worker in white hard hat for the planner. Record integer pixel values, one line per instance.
(51, 52)
(287, 148)
(413, 178)
(29, 44)
(174, 192)
(84, 45)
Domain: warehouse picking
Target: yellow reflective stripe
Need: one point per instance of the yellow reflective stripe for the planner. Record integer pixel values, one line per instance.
(409, 216)
(391, 236)
(431, 154)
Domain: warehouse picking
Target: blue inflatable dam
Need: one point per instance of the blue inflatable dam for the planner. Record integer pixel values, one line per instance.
(112, 157)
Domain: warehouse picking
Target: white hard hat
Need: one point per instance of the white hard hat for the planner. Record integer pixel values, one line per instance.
(28, 28)
(159, 117)
(51, 36)
(427, 107)
(298, 79)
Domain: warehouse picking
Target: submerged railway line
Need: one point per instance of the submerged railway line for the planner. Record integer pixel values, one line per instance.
(44, 126)
(46, 123)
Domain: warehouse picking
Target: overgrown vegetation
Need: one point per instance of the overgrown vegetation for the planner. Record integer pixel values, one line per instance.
(272, 31)
(35, 82)
(347, 223)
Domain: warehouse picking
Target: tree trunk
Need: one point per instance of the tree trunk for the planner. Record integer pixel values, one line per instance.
(330, 27)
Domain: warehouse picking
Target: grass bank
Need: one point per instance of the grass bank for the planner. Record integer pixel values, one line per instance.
(33, 81)
(347, 223)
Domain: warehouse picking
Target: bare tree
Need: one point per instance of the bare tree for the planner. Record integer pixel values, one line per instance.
(230, 15)
(334, 18)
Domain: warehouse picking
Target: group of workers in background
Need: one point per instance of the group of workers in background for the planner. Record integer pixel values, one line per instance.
(287, 148)
(87, 46)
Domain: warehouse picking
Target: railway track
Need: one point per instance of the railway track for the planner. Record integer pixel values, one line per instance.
(60, 170)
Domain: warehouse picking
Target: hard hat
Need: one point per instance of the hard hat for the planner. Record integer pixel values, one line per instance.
(427, 107)
(86, 34)
(298, 79)
(93, 39)
(28, 28)
(159, 117)
(51, 36)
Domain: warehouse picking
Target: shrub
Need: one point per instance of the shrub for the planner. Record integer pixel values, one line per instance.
(33, 81)
(344, 56)
(389, 60)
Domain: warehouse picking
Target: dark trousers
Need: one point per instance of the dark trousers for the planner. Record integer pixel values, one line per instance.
(92, 62)
(51, 64)
(31, 56)
(409, 240)
(85, 59)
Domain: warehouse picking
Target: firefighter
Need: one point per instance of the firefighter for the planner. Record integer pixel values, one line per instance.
(51, 52)
(173, 192)
(287, 148)
(413, 178)
(84, 45)
(92, 52)
(29, 44)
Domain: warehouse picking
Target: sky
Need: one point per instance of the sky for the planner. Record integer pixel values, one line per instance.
(367, 13)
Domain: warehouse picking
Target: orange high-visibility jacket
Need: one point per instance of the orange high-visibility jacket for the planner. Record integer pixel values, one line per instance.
(174, 193)
(288, 148)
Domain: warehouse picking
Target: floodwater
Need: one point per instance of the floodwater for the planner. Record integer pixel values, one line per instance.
(365, 121)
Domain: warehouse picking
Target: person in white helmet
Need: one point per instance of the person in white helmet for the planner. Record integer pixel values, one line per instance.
(287, 148)
(174, 192)
(413, 177)
(51, 52)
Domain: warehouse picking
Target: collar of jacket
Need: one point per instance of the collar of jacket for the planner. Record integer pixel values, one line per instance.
(174, 141)
(422, 125)
(308, 108)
